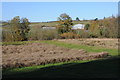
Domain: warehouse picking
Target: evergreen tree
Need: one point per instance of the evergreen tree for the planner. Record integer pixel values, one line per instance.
(96, 19)
(77, 19)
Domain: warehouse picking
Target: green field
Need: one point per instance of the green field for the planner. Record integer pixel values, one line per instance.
(56, 23)
(102, 68)
(45, 23)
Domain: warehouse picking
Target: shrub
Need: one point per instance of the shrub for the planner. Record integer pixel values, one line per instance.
(83, 33)
(7, 36)
(87, 26)
(37, 33)
(16, 30)
(69, 35)
(106, 28)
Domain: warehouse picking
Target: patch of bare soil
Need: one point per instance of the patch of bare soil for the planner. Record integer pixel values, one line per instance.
(105, 42)
(40, 53)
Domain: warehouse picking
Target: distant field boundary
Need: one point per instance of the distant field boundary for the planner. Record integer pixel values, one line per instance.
(93, 39)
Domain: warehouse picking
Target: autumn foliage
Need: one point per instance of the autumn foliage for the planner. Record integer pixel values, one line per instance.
(105, 28)
(69, 35)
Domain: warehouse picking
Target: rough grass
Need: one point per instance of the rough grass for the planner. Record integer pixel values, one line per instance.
(32, 68)
(42, 53)
(103, 68)
(113, 52)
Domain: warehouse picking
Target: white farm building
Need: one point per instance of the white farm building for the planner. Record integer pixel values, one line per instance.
(78, 26)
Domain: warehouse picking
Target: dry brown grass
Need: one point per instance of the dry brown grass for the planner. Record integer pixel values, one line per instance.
(40, 53)
(103, 42)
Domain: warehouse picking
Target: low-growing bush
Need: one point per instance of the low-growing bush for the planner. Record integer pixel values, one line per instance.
(69, 35)
(37, 33)
(83, 33)
(7, 36)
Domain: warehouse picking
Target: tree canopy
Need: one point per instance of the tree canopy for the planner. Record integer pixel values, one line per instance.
(65, 21)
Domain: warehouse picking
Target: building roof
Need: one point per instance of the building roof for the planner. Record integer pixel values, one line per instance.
(78, 26)
(48, 27)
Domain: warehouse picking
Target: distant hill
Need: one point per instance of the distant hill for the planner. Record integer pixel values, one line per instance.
(55, 23)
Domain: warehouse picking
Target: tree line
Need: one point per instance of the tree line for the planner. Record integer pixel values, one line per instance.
(19, 29)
